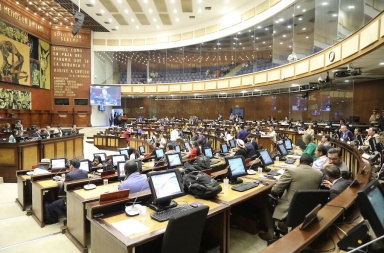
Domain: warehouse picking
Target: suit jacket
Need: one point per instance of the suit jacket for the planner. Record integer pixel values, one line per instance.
(301, 178)
(35, 135)
(75, 174)
(338, 187)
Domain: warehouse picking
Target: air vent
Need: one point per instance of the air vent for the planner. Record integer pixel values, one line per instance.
(99, 14)
(208, 8)
(89, 5)
(191, 16)
(107, 23)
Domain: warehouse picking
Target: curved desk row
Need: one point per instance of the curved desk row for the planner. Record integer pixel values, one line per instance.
(23, 155)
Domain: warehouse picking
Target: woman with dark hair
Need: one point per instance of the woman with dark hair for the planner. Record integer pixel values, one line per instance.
(133, 154)
(194, 150)
(97, 162)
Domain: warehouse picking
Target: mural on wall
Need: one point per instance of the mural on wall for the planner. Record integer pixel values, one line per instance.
(45, 70)
(14, 63)
(13, 33)
(15, 99)
(34, 60)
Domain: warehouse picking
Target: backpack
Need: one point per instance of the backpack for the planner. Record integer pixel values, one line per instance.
(201, 185)
(204, 162)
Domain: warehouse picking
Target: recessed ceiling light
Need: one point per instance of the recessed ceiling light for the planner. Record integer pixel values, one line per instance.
(298, 7)
(177, 19)
(243, 91)
(174, 11)
(289, 26)
(172, 1)
(334, 15)
(257, 90)
(145, 1)
(199, 10)
(157, 27)
(300, 19)
(137, 27)
(259, 27)
(132, 20)
(347, 81)
(263, 42)
(284, 35)
(126, 11)
(154, 20)
(281, 43)
(102, 11)
(351, 7)
(307, 37)
(381, 63)
(110, 20)
(304, 29)
(281, 20)
(295, 84)
(304, 10)
(325, 3)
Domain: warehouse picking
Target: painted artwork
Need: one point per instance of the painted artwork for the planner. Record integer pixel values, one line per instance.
(15, 99)
(45, 69)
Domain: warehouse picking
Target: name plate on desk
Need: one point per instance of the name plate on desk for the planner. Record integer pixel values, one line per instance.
(114, 196)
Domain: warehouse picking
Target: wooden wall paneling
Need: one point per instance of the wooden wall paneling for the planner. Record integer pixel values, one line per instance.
(366, 96)
(78, 148)
(49, 150)
(69, 149)
(30, 156)
(60, 149)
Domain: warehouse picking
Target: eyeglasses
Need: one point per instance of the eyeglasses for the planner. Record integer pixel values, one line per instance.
(333, 159)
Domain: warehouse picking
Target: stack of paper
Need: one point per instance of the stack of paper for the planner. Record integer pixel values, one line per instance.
(130, 227)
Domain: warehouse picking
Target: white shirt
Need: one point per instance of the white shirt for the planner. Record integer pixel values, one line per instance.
(318, 164)
(132, 157)
(174, 135)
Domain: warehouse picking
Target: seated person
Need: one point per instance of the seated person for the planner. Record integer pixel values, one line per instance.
(310, 131)
(311, 147)
(250, 149)
(97, 162)
(59, 207)
(240, 146)
(133, 179)
(59, 131)
(272, 133)
(345, 134)
(6, 128)
(202, 138)
(321, 154)
(37, 133)
(302, 177)
(47, 132)
(19, 125)
(43, 167)
(325, 140)
(156, 146)
(335, 182)
(170, 149)
(358, 136)
(133, 154)
(335, 158)
(253, 142)
(194, 149)
(74, 130)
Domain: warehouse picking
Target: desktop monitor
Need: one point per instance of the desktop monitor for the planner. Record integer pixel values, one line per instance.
(103, 156)
(174, 160)
(186, 144)
(288, 144)
(370, 201)
(118, 158)
(58, 163)
(236, 169)
(120, 170)
(85, 165)
(142, 150)
(232, 143)
(224, 148)
(282, 150)
(208, 152)
(165, 185)
(265, 157)
(177, 148)
(159, 153)
(124, 152)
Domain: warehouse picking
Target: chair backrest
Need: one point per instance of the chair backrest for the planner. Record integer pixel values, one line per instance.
(302, 203)
(209, 143)
(301, 144)
(184, 231)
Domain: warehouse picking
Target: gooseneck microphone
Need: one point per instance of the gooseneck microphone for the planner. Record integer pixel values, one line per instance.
(134, 210)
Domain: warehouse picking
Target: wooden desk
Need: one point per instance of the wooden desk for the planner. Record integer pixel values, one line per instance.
(105, 238)
(23, 155)
(109, 142)
(76, 200)
(24, 196)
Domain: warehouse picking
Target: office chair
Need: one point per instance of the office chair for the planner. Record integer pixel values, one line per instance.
(301, 144)
(303, 202)
(183, 233)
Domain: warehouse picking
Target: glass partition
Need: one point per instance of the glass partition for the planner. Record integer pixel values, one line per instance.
(303, 29)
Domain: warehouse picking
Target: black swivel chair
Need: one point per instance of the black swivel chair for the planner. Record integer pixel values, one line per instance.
(303, 202)
(183, 233)
(301, 144)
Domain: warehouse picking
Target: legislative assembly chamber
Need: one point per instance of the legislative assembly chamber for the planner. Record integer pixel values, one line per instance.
(191, 126)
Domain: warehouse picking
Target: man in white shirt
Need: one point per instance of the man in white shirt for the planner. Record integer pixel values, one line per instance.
(321, 154)
(174, 136)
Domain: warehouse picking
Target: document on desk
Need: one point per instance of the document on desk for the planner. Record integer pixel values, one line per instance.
(293, 156)
(130, 227)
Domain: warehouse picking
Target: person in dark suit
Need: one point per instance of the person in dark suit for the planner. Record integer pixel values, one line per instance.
(202, 138)
(357, 136)
(106, 96)
(59, 207)
(335, 182)
(37, 133)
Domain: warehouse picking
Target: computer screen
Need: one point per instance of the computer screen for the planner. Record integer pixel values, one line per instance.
(174, 160)
(288, 144)
(165, 184)
(118, 158)
(298, 103)
(177, 148)
(142, 149)
(120, 169)
(370, 201)
(208, 152)
(85, 165)
(236, 166)
(124, 152)
(186, 144)
(224, 147)
(103, 156)
(159, 153)
(58, 163)
(282, 149)
(266, 157)
(232, 143)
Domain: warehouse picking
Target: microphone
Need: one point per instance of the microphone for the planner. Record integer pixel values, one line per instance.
(90, 186)
(134, 210)
(56, 177)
